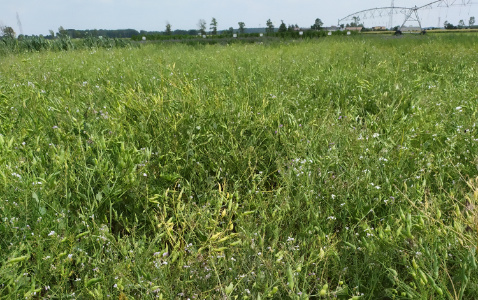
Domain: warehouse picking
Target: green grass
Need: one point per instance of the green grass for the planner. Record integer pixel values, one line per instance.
(339, 167)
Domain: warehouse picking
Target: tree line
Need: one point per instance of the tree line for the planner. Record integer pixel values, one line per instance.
(283, 29)
(8, 31)
(461, 24)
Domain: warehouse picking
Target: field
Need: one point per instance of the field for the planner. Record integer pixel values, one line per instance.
(341, 167)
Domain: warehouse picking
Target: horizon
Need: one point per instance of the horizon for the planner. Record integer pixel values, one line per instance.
(148, 15)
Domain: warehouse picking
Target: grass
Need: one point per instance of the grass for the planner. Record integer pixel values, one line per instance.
(341, 167)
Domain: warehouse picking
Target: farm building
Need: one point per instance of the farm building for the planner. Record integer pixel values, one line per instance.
(354, 28)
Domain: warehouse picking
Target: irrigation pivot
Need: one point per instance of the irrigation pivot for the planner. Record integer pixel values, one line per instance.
(410, 13)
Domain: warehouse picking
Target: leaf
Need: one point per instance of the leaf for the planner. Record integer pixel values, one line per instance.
(290, 278)
(35, 196)
(229, 288)
(42, 210)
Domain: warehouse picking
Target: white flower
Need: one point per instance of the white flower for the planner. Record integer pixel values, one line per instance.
(51, 233)
(375, 135)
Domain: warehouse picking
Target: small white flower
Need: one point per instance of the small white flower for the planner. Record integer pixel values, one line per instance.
(51, 233)
(375, 135)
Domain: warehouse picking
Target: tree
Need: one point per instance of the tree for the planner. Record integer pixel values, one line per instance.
(230, 31)
(448, 25)
(317, 25)
(62, 33)
(202, 26)
(8, 32)
(168, 29)
(461, 24)
(242, 27)
(356, 21)
(213, 26)
(471, 22)
(282, 27)
(270, 26)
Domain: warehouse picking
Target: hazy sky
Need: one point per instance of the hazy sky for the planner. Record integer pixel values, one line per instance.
(37, 17)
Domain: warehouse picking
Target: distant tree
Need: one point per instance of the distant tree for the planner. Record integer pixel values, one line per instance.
(230, 31)
(182, 32)
(448, 25)
(356, 21)
(317, 25)
(461, 24)
(202, 26)
(291, 28)
(213, 26)
(242, 27)
(8, 32)
(471, 22)
(62, 33)
(52, 33)
(270, 26)
(342, 26)
(282, 27)
(168, 29)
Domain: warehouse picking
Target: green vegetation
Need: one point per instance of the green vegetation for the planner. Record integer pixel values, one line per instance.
(64, 43)
(339, 167)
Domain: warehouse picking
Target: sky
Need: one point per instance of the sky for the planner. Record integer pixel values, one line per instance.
(38, 17)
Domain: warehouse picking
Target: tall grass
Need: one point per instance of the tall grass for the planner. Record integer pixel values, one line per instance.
(39, 43)
(342, 167)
